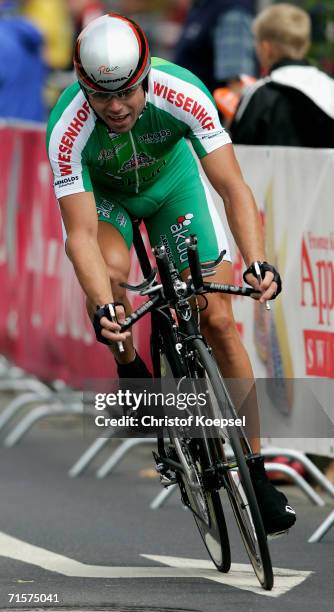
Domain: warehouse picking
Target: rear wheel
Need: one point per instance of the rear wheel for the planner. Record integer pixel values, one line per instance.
(205, 504)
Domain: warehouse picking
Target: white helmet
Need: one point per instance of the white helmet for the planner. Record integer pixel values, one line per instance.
(111, 55)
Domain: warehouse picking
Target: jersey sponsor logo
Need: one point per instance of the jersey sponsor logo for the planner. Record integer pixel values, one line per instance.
(132, 181)
(107, 154)
(105, 208)
(113, 135)
(155, 137)
(179, 231)
(185, 219)
(66, 181)
(138, 161)
(129, 181)
(208, 136)
(69, 137)
(121, 219)
(189, 105)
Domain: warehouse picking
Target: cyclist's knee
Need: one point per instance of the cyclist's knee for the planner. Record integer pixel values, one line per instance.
(218, 322)
(220, 330)
(118, 270)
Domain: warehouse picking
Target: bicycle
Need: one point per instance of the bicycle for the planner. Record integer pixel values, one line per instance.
(200, 465)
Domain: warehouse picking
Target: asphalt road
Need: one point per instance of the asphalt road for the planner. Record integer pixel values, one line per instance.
(83, 539)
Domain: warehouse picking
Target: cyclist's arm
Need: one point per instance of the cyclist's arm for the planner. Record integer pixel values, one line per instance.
(80, 220)
(224, 174)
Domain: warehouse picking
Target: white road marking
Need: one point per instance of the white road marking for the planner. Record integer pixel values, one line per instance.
(241, 576)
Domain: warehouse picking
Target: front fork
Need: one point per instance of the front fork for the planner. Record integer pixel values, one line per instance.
(178, 341)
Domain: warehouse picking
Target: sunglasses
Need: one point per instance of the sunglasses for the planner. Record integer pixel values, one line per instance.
(101, 96)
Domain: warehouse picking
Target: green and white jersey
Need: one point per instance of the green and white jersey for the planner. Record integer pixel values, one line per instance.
(84, 154)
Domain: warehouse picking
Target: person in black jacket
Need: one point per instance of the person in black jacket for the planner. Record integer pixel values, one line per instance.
(294, 104)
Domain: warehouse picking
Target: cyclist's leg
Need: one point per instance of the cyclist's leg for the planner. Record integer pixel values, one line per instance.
(115, 236)
(219, 328)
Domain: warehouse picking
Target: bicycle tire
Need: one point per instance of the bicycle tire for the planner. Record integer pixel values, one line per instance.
(214, 534)
(213, 531)
(247, 515)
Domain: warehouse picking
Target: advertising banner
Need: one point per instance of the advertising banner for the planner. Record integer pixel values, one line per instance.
(295, 341)
(293, 188)
(44, 327)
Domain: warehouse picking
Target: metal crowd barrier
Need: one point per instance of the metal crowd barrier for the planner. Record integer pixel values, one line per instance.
(321, 531)
(56, 406)
(54, 400)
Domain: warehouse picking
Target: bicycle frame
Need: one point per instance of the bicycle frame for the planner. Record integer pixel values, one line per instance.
(174, 293)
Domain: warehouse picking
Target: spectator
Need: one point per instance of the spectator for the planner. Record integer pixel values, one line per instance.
(84, 11)
(53, 19)
(294, 105)
(151, 14)
(217, 41)
(22, 67)
(179, 9)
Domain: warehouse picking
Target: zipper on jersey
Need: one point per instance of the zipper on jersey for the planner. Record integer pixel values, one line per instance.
(136, 160)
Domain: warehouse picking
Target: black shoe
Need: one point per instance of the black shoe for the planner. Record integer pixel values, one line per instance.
(134, 369)
(277, 514)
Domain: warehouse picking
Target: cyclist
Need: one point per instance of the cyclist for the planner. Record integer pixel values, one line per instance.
(117, 146)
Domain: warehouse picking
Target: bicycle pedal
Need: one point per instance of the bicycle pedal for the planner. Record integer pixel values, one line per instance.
(279, 534)
(166, 481)
(160, 468)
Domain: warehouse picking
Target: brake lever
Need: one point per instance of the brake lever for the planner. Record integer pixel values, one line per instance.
(150, 290)
(148, 282)
(259, 280)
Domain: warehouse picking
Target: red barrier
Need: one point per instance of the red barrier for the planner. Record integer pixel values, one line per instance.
(44, 327)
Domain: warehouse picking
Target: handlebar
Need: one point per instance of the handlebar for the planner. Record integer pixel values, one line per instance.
(168, 292)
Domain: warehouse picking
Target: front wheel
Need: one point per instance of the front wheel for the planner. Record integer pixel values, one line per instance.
(246, 510)
(237, 478)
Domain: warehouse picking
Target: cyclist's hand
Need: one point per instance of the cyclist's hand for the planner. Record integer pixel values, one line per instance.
(270, 285)
(108, 331)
